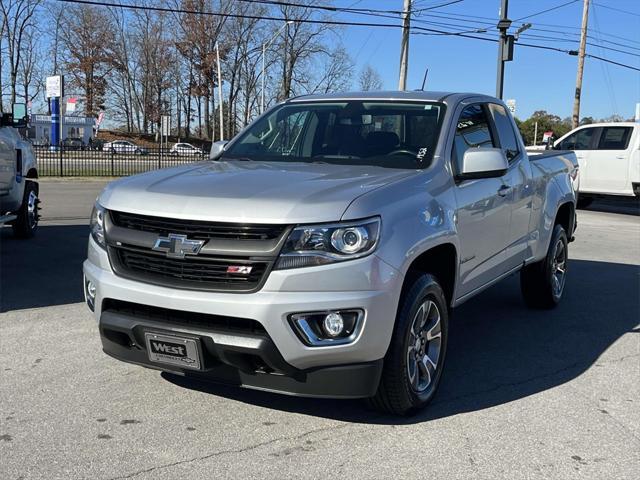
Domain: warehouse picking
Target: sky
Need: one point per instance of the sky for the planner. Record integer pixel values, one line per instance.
(536, 79)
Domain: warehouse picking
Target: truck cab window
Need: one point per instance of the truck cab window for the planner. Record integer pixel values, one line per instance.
(614, 138)
(503, 123)
(580, 140)
(472, 131)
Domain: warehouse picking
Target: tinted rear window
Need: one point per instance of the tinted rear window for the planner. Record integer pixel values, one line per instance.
(614, 138)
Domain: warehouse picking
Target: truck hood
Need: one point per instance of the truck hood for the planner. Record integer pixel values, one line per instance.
(248, 191)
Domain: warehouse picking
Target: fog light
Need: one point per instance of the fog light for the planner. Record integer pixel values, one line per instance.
(91, 290)
(333, 324)
(324, 328)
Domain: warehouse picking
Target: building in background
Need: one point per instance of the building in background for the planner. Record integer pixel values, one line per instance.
(81, 128)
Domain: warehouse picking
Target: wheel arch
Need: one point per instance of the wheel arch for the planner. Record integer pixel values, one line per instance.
(440, 261)
(565, 216)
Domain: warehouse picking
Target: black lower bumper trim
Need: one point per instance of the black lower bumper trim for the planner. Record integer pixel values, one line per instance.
(248, 360)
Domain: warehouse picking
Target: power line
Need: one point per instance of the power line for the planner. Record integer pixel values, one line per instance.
(545, 11)
(604, 68)
(541, 47)
(617, 9)
(332, 8)
(612, 62)
(421, 30)
(438, 6)
(227, 15)
(490, 21)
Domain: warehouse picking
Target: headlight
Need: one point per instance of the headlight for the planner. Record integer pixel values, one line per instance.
(322, 244)
(97, 224)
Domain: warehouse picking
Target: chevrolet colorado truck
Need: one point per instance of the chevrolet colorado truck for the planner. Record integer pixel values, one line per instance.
(321, 251)
(19, 203)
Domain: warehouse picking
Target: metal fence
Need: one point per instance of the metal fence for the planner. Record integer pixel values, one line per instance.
(75, 162)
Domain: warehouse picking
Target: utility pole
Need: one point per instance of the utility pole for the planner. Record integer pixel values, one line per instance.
(404, 45)
(505, 46)
(575, 119)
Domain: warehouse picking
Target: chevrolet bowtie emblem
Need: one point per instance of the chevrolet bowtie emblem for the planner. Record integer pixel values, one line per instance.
(177, 246)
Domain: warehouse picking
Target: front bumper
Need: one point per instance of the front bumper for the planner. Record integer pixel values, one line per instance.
(239, 359)
(350, 370)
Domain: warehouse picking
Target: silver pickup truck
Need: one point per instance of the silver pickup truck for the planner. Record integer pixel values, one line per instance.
(321, 251)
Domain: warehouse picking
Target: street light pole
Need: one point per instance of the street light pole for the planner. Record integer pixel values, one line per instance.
(503, 26)
(264, 53)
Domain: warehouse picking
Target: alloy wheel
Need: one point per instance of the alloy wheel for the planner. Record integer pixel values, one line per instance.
(425, 341)
(559, 268)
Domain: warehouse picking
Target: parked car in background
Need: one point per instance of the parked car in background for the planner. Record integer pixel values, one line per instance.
(124, 146)
(95, 144)
(72, 144)
(609, 158)
(321, 251)
(185, 149)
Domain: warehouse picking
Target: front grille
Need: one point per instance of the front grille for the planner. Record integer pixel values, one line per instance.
(202, 272)
(197, 229)
(179, 317)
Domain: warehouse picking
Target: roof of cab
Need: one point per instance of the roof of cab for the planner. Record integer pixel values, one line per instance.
(417, 95)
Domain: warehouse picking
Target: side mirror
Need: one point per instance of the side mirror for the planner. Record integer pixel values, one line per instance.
(19, 115)
(483, 163)
(217, 149)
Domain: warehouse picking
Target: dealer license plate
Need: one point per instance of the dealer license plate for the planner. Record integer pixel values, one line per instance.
(173, 350)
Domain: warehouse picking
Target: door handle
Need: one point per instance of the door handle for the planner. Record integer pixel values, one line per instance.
(504, 190)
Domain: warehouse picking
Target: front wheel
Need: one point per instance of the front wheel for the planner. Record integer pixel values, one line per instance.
(413, 364)
(26, 224)
(542, 283)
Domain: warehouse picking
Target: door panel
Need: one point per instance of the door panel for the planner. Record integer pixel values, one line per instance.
(582, 142)
(516, 180)
(608, 168)
(483, 225)
(483, 216)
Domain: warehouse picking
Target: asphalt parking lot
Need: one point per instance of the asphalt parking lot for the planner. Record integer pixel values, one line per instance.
(525, 394)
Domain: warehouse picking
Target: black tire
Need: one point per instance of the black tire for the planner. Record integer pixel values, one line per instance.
(26, 224)
(537, 282)
(584, 201)
(396, 394)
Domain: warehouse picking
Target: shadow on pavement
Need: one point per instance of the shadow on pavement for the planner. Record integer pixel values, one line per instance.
(499, 351)
(44, 270)
(611, 204)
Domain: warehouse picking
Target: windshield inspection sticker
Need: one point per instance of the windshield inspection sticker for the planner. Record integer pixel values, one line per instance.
(421, 153)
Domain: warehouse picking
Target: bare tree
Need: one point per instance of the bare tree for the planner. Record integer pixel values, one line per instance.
(242, 41)
(199, 35)
(87, 38)
(155, 56)
(29, 70)
(369, 79)
(3, 27)
(17, 19)
(332, 74)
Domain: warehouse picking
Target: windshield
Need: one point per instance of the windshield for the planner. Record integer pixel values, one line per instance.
(385, 134)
